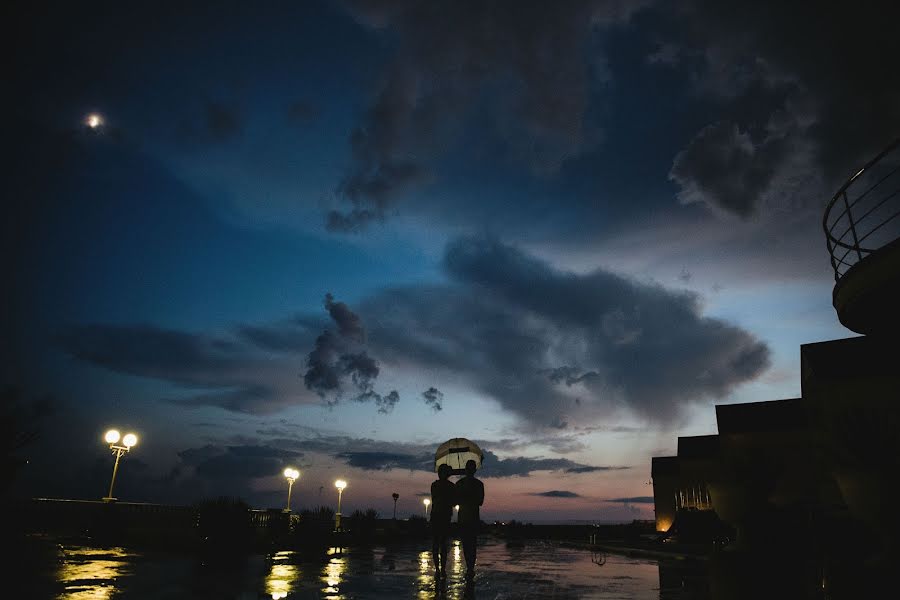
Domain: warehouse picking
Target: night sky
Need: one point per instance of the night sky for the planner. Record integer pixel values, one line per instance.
(332, 235)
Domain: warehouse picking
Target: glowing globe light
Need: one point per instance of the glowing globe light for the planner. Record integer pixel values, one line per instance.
(426, 501)
(112, 438)
(340, 484)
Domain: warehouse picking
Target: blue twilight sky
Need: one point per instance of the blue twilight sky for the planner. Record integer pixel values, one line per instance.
(331, 235)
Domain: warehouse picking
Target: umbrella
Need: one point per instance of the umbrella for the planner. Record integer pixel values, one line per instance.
(457, 452)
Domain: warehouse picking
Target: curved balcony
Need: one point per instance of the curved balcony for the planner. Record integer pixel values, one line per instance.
(862, 232)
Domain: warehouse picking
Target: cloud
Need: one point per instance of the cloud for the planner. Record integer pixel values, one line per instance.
(434, 398)
(633, 500)
(520, 466)
(789, 131)
(378, 455)
(587, 469)
(386, 461)
(530, 69)
(237, 462)
(557, 494)
(340, 360)
(725, 169)
(553, 346)
(231, 374)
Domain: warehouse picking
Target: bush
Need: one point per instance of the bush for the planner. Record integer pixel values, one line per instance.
(224, 524)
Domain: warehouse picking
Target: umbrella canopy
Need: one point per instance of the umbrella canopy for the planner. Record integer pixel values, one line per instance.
(457, 452)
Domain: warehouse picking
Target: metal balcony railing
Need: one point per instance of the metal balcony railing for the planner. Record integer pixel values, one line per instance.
(864, 215)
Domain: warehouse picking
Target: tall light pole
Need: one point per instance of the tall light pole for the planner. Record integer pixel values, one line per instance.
(340, 484)
(291, 475)
(112, 438)
(426, 502)
(395, 496)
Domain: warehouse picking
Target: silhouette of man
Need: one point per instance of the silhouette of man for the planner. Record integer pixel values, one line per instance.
(470, 496)
(443, 497)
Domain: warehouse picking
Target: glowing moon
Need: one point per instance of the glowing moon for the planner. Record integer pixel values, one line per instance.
(93, 120)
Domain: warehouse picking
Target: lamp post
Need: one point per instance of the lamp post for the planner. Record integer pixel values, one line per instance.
(291, 475)
(112, 438)
(426, 502)
(395, 496)
(340, 484)
(457, 512)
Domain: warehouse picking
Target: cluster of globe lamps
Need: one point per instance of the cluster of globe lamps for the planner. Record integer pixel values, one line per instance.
(120, 446)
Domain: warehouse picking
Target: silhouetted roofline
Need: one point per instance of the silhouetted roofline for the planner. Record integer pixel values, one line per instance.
(770, 415)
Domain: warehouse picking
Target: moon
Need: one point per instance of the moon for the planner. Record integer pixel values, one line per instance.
(94, 120)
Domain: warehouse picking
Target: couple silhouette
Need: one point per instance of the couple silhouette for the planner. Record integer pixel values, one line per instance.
(468, 493)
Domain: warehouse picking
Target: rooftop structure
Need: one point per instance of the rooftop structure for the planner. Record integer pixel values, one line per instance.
(862, 233)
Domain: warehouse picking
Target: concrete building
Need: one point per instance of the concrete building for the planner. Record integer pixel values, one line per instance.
(783, 468)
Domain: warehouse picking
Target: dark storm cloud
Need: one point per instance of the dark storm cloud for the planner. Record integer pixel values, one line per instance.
(801, 111)
(633, 500)
(349, 324)
(434, 398)
(557, 494)
(386, 461)
(530, 68)
(232, 372)
(147, 350)
(377, 455)
(340, 359)
(287, 335)
(552, 346)
(586, 469)
(725, 169)
(237, 462)
(234, 375)
(521, 466)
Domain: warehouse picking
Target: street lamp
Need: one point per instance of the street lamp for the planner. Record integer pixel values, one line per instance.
(340, 484)
(457, 512)
(291, 475)
(426, 502)
(395, 496)
(112, 438)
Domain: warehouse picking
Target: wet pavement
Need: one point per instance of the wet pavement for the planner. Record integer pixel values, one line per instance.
(532, 571)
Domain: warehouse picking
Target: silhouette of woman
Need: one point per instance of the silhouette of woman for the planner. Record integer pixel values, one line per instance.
(443, 498)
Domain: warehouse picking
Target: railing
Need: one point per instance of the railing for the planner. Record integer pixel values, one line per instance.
(869, 216)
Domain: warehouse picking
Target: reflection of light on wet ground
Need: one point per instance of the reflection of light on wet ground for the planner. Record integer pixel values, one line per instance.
(425, 581)
(283, 576)
(401, 571)
(90, 573)
(332, 575)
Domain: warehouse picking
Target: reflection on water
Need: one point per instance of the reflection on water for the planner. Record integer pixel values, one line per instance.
(332, 574)
(282, 575)
(91, 573)
(532, 570)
